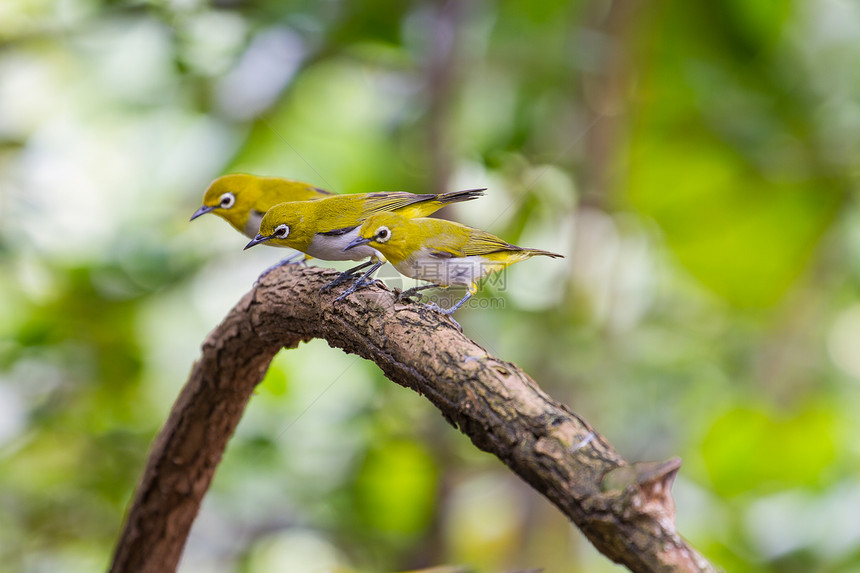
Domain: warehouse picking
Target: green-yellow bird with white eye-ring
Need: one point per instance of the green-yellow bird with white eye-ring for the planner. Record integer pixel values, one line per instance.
(442, 252)
(242, 199)
(323, 228)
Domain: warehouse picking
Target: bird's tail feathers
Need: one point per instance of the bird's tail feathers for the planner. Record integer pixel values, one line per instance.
(460, 196)
(535, 252)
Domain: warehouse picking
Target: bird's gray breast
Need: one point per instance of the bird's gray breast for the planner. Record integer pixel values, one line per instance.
(252, 225)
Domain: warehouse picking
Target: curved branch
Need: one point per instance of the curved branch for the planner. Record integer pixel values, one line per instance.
(624, 509)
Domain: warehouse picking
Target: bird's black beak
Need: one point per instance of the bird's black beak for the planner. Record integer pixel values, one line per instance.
(257, 240)
(356, 242)
(201, 211)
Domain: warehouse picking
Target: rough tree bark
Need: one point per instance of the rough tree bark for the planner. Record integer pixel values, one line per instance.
(625, 510)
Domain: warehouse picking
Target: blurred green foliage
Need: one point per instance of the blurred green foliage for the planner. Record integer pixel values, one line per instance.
(696, 162)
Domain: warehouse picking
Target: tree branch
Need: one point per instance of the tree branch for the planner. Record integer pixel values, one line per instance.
(624, 509)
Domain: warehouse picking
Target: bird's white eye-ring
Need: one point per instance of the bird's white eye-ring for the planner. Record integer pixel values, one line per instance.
(281, 232)
(227, 200)
(383, 234)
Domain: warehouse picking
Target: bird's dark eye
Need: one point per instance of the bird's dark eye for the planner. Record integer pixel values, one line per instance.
(383, 234)
(281, 232)
(227, 200)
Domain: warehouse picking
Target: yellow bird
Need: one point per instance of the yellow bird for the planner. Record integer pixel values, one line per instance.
(442, 252)
(325, 227)
(242, 199)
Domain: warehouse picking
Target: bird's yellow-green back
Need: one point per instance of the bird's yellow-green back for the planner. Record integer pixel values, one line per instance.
(274, 190)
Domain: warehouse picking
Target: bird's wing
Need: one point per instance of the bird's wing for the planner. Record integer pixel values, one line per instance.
(449, 240)
(483, 243)
(391, 201)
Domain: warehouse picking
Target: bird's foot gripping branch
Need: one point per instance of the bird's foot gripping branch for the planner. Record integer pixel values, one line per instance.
(624, 509)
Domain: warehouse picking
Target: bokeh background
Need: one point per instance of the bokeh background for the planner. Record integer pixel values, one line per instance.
(696, 162)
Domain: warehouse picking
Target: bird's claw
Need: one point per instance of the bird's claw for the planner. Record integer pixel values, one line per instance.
(401, 297)
(344, 294)
(336, 282)
(408, 294)
(355, 286)
(446, 311)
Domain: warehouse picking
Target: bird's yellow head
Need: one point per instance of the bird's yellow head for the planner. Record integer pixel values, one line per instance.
(231, 197)
(389, 234)
(282, 225)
